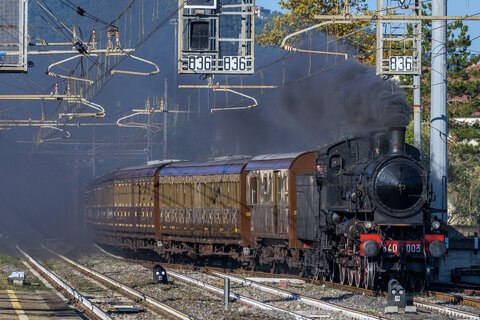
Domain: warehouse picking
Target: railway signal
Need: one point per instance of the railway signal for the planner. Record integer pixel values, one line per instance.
(13, 36)
(216, 38)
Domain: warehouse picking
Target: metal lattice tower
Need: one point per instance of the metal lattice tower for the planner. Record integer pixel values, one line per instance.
(399, 48)
(13, 35)
(217, 38)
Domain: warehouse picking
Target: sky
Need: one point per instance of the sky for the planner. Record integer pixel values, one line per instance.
(454, 8)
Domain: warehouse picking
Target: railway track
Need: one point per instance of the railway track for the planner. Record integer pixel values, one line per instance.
(83, 303)
(424, 304)
(269, 296)
(421, 304)
(329, 310)
(156, 307)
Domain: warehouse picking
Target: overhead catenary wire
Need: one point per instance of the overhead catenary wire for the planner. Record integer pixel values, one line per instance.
(80, 11)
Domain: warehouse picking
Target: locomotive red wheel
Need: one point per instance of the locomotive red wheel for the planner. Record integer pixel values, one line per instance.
(342, 270)
(358, 271)
(350, 275)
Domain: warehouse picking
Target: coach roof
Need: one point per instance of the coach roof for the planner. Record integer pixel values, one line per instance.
(231, 166)
(274, 161)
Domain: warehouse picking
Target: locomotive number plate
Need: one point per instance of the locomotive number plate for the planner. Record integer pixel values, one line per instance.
(409, 247)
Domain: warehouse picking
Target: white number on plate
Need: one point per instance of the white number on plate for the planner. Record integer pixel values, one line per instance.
(391, 248)
(234, 63)
(414, 248)
(202, 63)
(401, 63)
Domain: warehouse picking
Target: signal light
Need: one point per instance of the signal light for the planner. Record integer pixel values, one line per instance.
(199, 35)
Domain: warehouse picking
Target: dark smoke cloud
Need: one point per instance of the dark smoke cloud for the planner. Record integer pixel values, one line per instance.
(344, 101)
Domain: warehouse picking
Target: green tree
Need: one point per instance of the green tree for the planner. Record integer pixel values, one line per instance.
(463, 149)
(301, 14)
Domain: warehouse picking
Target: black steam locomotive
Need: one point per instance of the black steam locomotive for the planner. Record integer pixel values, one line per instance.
(356, 212)
(373, 221)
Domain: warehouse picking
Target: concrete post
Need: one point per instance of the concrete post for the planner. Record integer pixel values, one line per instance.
(417, 112)
(165, 118)
(438, 116)
(417, 101)
(226, 292)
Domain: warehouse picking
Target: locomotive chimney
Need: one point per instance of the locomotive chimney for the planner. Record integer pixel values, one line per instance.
(397, 140)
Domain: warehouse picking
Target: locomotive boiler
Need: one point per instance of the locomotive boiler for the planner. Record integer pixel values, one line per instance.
(355, 211)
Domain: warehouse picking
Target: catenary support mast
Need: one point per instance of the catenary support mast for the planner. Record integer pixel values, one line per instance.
(438, 116)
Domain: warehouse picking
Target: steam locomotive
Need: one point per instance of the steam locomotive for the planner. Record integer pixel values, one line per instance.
(355, 212)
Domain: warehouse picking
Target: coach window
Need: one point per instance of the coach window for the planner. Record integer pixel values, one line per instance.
(280, 187)
(197, 195)
(253, 184)
(151, 192)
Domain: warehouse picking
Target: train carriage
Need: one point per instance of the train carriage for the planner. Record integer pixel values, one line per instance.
(356, 211)
(120, 207)
(272, 198)
(201, 208)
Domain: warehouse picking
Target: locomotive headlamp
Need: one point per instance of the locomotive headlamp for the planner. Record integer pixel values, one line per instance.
(436, 225)
(368, 224)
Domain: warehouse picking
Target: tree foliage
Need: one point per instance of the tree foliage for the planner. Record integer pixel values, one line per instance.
(463, 87)
(301, 15)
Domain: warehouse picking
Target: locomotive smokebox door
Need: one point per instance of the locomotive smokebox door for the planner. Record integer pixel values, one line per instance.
(159, 274)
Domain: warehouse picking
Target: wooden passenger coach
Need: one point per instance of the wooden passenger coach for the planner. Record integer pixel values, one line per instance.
(203, 203)
(239, 207)
(120, 207)
(272, 193)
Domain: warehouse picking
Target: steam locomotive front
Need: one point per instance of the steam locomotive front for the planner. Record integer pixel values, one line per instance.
(376, 204)
(402, 233)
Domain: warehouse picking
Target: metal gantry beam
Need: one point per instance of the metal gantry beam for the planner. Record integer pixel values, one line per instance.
(394, 18)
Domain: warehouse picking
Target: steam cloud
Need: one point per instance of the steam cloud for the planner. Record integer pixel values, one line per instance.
(345, 101)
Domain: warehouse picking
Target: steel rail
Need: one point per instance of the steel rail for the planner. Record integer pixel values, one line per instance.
(455, 298)
(419, 303)
(135, 293)
(298, 297)
(87, 304)
(446, 310)
(236, 296)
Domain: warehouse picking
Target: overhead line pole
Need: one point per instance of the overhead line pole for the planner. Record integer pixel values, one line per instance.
(438, 113)
(438, 116)
(165, 118)
(417, 98)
